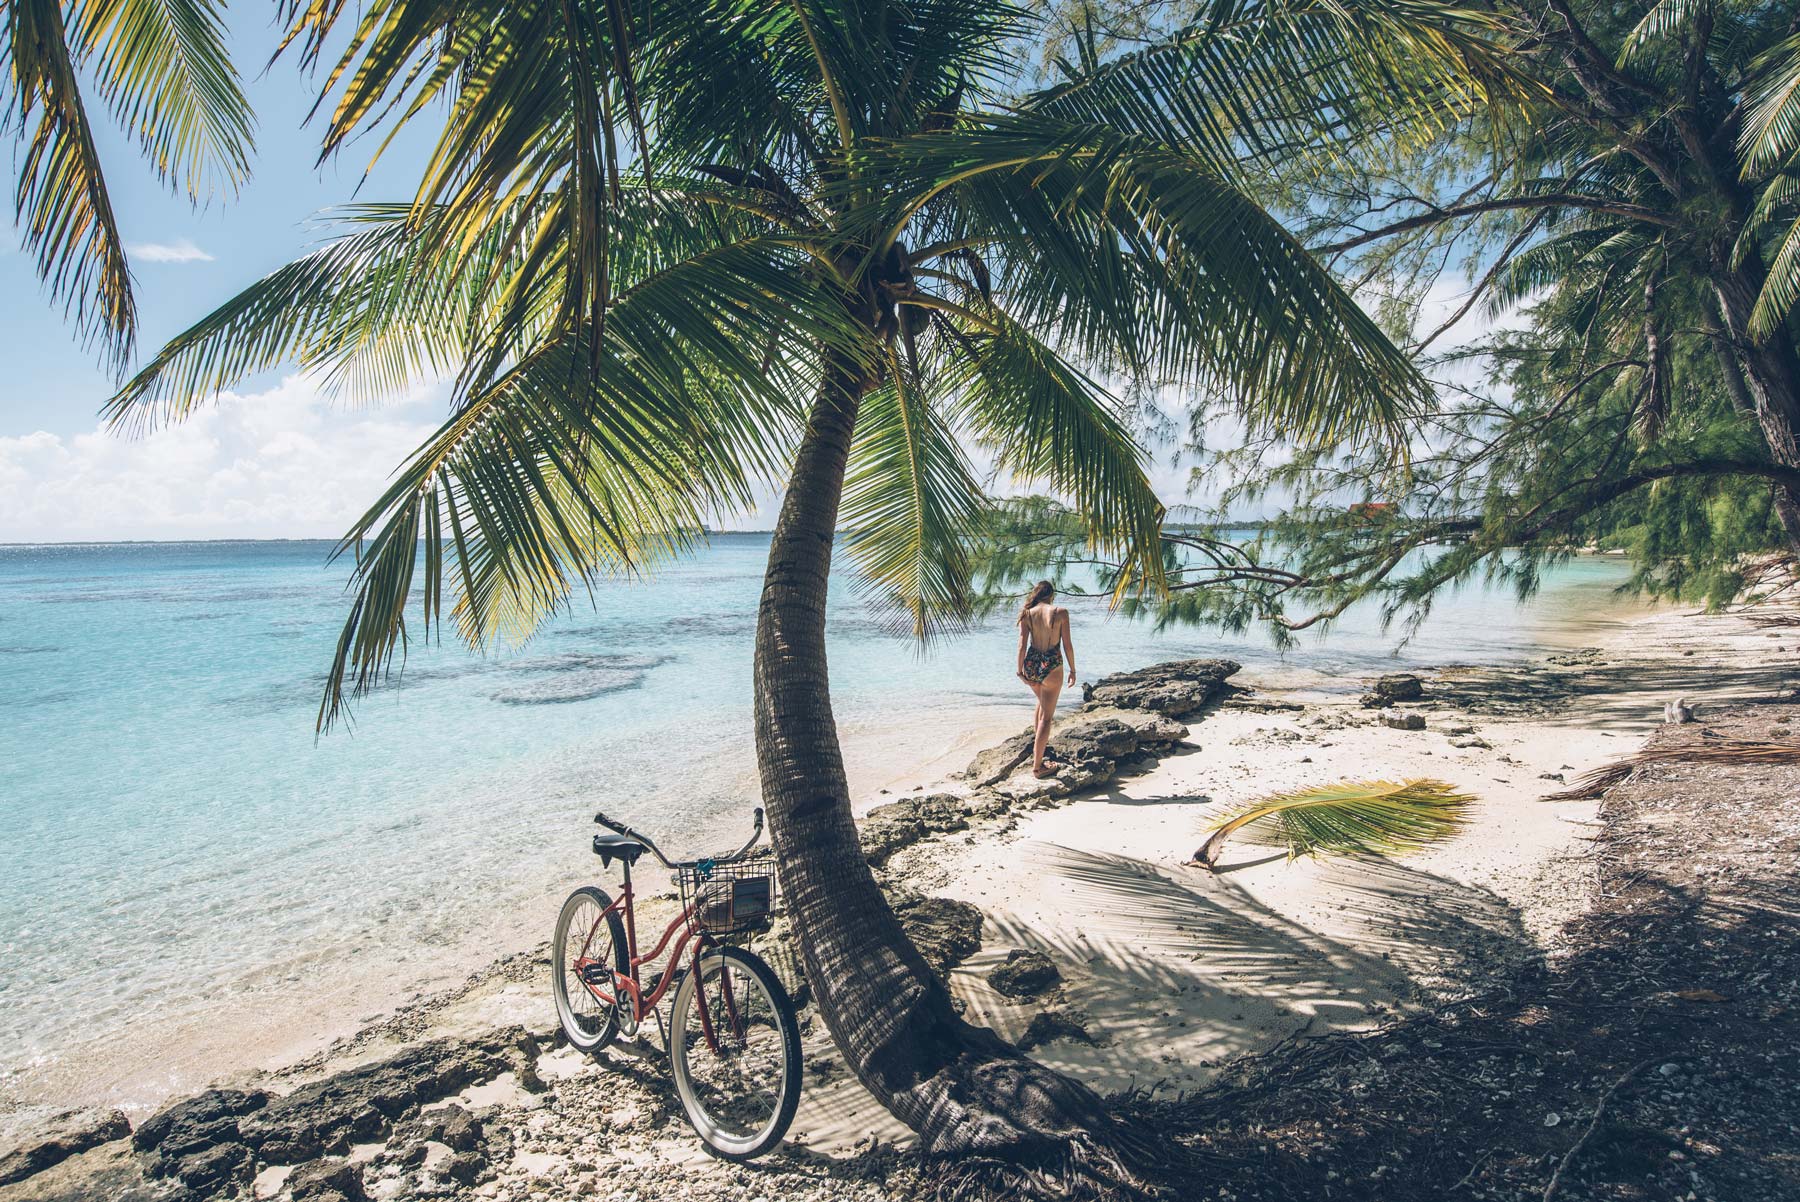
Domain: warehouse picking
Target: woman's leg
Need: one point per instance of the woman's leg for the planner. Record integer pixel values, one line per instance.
(1047, 694)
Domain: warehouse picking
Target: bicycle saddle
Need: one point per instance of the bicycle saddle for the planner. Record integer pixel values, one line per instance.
(609, 846)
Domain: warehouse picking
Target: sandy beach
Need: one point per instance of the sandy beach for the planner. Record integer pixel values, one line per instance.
(1168, 972)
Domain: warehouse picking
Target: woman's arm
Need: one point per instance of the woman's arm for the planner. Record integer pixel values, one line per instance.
(1068, 642)
(1024, 633)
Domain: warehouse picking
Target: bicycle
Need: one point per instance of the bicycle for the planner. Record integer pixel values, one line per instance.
(733, 1038)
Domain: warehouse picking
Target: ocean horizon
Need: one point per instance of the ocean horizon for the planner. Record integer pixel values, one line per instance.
(187, 873)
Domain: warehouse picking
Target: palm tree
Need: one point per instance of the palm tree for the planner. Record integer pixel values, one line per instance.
(671, 256)
(161, 69)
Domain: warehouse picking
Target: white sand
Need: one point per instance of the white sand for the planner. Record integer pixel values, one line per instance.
(1177, 969)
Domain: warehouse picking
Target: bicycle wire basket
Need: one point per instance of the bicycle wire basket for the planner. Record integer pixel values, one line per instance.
(729, 898)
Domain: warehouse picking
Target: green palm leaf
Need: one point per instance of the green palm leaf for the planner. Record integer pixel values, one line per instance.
(1350, 818)
(162, 70)
(62, 201)
(910, 503)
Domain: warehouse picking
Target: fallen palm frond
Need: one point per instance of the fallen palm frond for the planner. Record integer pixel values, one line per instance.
(1368, 817)
(1774, 619)
(1594, 783)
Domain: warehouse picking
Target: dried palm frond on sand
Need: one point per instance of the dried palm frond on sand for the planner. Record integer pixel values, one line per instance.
(1376, 817)
(1594, 783)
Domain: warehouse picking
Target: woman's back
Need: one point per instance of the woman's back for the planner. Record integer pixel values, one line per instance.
(1043, 622)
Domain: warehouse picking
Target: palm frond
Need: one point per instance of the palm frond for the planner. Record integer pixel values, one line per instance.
(1725, 752)
(61, 199)
(910, 502)
(1771, 130)
(164, 71)
(1350, 818)
(1145, 261)
(1045, 421)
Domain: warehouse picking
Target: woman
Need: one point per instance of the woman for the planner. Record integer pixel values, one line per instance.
(1044, 644)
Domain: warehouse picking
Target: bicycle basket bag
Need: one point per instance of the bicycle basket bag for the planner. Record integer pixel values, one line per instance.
(730, 898)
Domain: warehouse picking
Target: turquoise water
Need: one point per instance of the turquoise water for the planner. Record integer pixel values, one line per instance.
(184, 867)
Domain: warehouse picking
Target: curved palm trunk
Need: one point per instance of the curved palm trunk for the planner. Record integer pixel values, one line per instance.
(960, 1087)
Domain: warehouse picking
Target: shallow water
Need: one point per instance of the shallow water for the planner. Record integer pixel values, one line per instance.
(183, 865)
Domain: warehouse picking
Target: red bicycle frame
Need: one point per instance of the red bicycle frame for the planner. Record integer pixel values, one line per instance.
(629, 983)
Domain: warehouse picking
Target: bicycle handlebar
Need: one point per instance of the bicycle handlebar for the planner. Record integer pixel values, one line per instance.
(622, 829)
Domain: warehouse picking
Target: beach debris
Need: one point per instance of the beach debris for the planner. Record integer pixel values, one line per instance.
(1400, 721)
(1396, 686)
(1177, 689)
(1348, 818)
(1024, 974)
(945, 931)
(1472, 741)
(66, 1135)
(1728, 752)
(1047, 1026)
(1677, 711)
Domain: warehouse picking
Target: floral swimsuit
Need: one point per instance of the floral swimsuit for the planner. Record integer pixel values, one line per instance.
(1039, 664)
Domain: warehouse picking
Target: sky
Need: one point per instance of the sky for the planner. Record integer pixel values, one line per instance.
(275, 457)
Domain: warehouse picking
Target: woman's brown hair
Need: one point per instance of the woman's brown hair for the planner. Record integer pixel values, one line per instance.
(1043, 590)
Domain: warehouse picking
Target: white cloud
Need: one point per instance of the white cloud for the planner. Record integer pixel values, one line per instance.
(285, 463)
(183, 251)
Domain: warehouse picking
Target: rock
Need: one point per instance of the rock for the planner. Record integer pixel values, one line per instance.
(1258, 705)
(210, 1171)
(1481, 744)
(331, 1180)
(997, 763)
(65, 1136)
(1102, 740)
(199, 1140)
(1176, 689)
(180, 1123)
(886, 829)
(946, 932)
(1154, 730)
(361, 1103)
(1024, 974)
(1049, 1025)
(1032, 791)
(1404, 721)
(109, 1172)
(1398, 686)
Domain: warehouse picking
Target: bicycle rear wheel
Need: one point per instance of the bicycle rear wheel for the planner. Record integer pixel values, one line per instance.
(589, 946)
(734, 1049)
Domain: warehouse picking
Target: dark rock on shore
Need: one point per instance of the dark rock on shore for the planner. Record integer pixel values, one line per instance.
(1404, 721)
(1177, 689)
(67, 1136)
(886, 829)
(997, 763)
(327, 1181)
(1024, 974)
(946, 932)
(1047, 1026)
(1090, 751)
(1398, 686)
(200, 1141)
(328, 1115)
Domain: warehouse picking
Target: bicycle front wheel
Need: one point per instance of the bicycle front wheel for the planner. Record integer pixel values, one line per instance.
(734, 1049)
